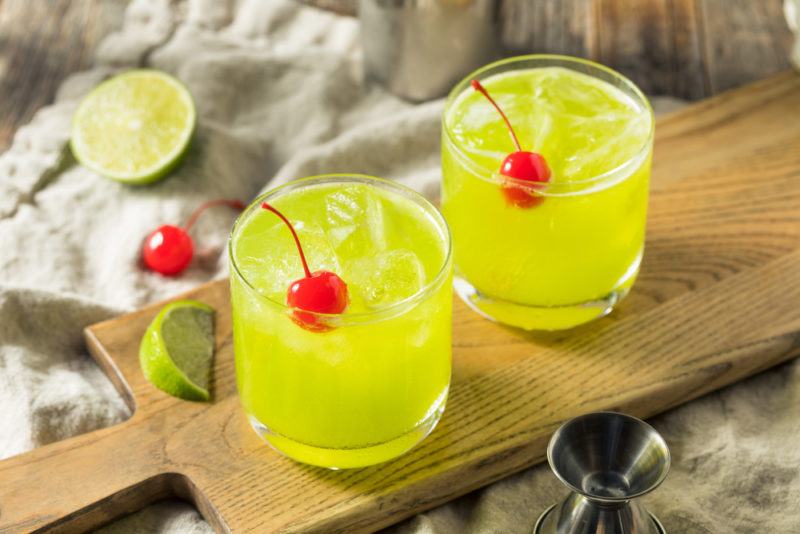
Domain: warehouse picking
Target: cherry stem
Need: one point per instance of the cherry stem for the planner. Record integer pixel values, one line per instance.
(294, 235)
(235, 204)
(478, 87)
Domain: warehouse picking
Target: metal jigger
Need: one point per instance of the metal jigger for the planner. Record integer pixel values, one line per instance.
(607, 460)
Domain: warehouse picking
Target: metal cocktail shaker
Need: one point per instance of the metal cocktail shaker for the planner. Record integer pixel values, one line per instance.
(420, 48)
(791, 9)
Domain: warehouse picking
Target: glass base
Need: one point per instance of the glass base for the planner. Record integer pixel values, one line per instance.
(352, 457)
(538, 317)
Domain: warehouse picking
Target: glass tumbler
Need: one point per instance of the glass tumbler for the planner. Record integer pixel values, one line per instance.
(555, 254)
(373, 381)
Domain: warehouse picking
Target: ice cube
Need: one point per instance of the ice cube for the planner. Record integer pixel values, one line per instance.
(269, 259)
(597, 150)
(356, 221)
(385, 278)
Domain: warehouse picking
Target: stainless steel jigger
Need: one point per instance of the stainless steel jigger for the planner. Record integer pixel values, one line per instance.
(607, 460)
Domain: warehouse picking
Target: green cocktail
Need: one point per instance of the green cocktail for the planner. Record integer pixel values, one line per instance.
(359, 387)
(560, 251)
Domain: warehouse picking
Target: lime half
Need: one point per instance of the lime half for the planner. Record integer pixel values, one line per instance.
(134, 127)
(177, 349)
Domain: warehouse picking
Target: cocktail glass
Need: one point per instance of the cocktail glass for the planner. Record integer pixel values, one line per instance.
(374, 381)
(573, 251)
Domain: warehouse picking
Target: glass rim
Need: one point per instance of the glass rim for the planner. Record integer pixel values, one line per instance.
(381, 313)
(493, 176)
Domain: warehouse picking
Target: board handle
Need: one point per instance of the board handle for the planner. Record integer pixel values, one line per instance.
(85, 481)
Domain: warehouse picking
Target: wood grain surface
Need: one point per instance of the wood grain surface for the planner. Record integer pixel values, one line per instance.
(41, 43)
(688, 49)
(716, 301)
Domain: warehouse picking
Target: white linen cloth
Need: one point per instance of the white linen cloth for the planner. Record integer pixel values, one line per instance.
(279, 94)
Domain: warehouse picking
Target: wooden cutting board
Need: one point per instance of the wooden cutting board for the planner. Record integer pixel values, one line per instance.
(718, 299)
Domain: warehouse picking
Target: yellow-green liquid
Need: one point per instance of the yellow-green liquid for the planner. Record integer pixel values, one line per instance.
(559, 263)
(373, 386)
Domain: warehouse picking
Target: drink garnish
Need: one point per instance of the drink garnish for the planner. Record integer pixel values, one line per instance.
(519, 165)
(177, 350)
(135, 127)
(318, 292)
(168, 249)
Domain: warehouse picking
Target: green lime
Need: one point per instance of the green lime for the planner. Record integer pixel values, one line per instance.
(177, 349)
(134, 127)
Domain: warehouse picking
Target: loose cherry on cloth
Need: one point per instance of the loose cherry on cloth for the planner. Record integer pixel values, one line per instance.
(318, 292)
(169, 249)
(520, 165)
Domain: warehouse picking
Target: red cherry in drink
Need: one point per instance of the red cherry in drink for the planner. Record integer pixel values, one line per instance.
(527, 166)
(519, 166)
(169, 249)
(318, 292)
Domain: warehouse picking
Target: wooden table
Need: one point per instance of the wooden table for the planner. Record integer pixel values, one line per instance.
(684, 48)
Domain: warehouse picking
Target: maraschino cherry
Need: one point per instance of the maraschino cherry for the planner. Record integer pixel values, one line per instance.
(168, 249)
(520, 165)
(318, 292)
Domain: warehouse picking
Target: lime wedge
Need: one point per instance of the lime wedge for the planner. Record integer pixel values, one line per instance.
(134, 127)
(177, 349)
